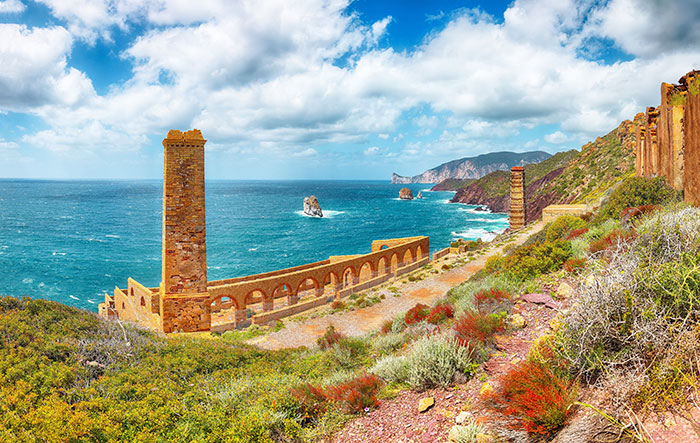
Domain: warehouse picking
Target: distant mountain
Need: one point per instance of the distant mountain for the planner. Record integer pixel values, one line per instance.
(474, 167)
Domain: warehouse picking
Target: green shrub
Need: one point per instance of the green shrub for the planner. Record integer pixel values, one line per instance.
(392, 369)
(434, 361)
(637, 191)
(530, 261)
(562, 226)
(466, 433)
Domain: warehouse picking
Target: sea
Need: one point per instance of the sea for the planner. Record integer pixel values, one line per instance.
(72, 241)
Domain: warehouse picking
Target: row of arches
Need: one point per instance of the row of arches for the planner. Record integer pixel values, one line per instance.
(288, 292)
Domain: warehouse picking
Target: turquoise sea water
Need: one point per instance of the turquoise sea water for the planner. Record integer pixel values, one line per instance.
(71, 241)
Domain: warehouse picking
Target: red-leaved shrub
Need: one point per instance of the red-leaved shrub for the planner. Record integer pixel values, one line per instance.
(587, 216)
(352, 396)
(440, 313)
(574, 265)
(416, 314)
(476, 328)
(357, 394)
(329, 338)
(629, 215)
(338, 305)
(611, 240)
(386, 326)
(539, 397)
(576, 233)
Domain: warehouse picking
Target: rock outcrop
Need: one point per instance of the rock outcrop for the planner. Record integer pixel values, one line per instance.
(311, 207)
(420, 194)
(405, 194)
(474, 167)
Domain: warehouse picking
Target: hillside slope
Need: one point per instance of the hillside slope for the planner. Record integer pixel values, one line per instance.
(474, 167)
(566, 177)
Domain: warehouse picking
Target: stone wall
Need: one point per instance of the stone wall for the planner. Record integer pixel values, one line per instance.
(517, 197)
(668, 139)
(184, 304)
(691, 137)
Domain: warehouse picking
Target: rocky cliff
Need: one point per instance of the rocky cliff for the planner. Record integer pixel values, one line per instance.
(566, 177)
(474, 167)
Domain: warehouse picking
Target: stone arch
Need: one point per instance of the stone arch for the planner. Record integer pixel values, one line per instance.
(382, 266)
(223, 301)
(408, 256)
(394, 262)
(282, 290)
(349, 276)
(383, 247)
(254, 296)
(330, 281)
(366, 271)
(305, 283)
(143, 301)
(419, 252)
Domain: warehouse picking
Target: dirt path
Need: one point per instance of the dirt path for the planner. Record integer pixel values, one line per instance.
(363, 321)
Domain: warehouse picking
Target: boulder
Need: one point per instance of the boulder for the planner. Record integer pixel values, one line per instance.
(425, 403)
(311, 207)
(462, 417)
(405, 194)
(420, 194)
(517, 321)
(565, 290)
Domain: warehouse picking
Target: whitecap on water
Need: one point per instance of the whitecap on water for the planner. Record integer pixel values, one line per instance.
(476, 210)
(58, 253)
(73, 297)
(327, 213)
(112, 236)
(252, 249)
(28, 281)
(92, 301)
(474, 233)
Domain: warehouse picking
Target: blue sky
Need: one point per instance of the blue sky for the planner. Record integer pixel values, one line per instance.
(324, 89)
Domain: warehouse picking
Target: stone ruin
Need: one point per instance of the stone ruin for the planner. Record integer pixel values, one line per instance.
(517, 198)
(668, 137)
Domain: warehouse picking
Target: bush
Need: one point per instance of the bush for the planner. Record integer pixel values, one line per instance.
(574, 265)
(467, 433)
(539, 397)
(613, 240)
(475, 329)
(530, 261)
(389, 342)
(392, 369)
(440, 313)
(576, 233)
(435, 360)
(637, 191)
(329, 338)
(416, 314)
(387, 326)
(352, 396)
(560, 227)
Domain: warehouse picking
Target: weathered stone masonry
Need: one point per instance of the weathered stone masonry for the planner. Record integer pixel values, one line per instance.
(185, 301)
(668, 138)
(517, 197)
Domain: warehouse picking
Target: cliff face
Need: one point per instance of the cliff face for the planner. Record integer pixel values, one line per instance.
(474, 167)
(564, 178)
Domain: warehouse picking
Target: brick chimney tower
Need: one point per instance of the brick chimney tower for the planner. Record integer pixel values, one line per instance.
(184, 302)
(517, 197)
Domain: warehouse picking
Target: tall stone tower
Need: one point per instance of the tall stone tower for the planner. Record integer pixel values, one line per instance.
(184, 302)
(517, 197)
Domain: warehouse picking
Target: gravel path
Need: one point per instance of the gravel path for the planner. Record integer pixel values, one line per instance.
(365, 320)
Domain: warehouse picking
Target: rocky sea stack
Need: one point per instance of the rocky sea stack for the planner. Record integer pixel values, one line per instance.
(312, 208)
(405, 194)
(420, 194)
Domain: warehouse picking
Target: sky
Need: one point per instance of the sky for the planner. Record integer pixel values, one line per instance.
(324, 89)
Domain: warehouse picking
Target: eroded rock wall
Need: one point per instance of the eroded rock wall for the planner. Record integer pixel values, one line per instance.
(691, 137)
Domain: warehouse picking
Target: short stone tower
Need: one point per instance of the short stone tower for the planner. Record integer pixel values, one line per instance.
(184, 302)
(517, 197)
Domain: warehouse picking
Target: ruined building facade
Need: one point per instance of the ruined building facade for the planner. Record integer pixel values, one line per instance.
(668, 137)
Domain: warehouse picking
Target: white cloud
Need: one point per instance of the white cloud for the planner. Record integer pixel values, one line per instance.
(34, 72)
(556, 138)
(309, 152)
(11, 7)
(372, 150)
(88, 138)
(278, 76)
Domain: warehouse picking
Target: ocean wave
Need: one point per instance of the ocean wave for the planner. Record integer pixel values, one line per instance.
(327, 213)
(59, 253)
(73, 297)
(92, 301)
(252, 249)
(475, 233)
(28, 281)
(489, 220)
(98, 240)
(475, 210)
(112, 236)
